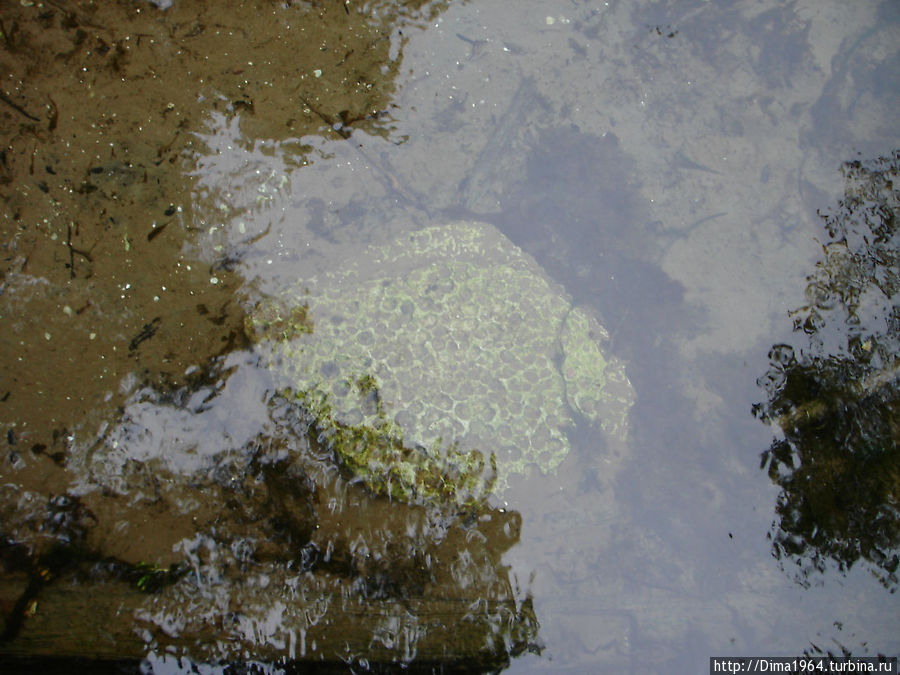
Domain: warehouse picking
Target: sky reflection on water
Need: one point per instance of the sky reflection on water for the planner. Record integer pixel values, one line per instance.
(666, 164)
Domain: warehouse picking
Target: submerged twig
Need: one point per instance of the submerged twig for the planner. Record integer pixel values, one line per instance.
(72, 251)
(15, 106)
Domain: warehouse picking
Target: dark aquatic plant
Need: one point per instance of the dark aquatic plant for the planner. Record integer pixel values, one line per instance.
(836, 399)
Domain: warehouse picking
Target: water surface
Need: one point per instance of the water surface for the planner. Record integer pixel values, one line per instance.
(671, 165)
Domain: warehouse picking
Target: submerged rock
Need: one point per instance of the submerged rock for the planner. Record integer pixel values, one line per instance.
(440, 365)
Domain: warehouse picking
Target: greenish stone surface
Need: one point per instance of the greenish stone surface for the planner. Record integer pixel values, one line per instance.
(439, 366)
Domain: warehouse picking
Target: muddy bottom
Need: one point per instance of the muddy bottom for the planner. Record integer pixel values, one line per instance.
(118, 302)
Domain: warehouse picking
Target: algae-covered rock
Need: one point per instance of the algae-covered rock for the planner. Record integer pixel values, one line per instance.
(442, 364)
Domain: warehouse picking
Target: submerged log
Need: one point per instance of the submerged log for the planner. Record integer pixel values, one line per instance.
(99, 626)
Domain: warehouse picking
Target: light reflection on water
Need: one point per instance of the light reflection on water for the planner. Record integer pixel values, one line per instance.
(648, 158)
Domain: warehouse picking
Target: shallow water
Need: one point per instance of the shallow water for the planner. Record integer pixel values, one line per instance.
(665, 163)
